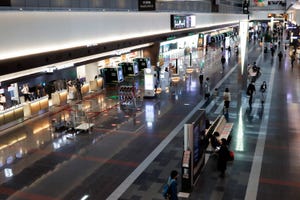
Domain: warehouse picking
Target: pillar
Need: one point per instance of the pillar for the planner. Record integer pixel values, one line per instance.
(244, 25)
(91, 70)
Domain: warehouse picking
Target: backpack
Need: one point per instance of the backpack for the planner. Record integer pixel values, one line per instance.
(166, 192)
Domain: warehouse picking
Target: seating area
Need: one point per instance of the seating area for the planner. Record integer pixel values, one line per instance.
(220, 125)
(223, 128)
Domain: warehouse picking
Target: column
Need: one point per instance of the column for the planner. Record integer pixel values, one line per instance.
(244, 25)
(91, 70)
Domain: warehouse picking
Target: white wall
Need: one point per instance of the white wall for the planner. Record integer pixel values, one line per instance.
(24, 32)
(261, 15)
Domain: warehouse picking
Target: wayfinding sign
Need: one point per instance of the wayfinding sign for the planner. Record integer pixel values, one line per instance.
(146, 5)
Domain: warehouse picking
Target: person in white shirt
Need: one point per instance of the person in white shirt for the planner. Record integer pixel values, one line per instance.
(2, 101)
(26, 93)
(227, 99)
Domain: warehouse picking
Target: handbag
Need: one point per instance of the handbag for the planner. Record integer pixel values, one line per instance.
(231, 156)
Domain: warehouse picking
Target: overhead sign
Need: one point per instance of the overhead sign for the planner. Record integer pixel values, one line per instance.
(146, 5)
(182, 21)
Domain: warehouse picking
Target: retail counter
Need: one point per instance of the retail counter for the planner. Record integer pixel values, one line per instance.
(59, 97)
(11, 114)
(96, 84)
(85, 88)
(35, 106)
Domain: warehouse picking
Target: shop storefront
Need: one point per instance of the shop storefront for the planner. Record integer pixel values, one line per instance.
(177, 51)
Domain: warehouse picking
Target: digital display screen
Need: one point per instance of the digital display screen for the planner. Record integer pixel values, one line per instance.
(135, 68)
(199, 142)
(182, 21)
(120, 75)
(149, 82)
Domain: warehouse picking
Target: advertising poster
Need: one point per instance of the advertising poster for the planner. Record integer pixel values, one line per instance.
(149, 82)
(260, 3)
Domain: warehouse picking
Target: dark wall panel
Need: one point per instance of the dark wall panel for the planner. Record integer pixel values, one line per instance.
(5, 3)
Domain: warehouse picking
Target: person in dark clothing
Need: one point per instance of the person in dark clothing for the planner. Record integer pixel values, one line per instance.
(292, 60)
(214, 140)
(207, 88)
(262, 90)
(223, 157)
(250, 91)
(280, 56)
(223, 60)
(201, 77)
(173, 185)
(272, 51)
(78, 85)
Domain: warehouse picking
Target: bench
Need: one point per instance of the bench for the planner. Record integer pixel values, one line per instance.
(210, 131)
(218, 125)
(223, 128)
(84, 127)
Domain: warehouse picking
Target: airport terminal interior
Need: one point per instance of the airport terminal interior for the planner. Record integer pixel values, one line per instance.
(106, 100)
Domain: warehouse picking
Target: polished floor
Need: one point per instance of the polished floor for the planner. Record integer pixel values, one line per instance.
(130, 151)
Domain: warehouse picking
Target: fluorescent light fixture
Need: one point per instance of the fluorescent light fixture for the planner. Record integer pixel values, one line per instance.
(8, 172)
(85, 197)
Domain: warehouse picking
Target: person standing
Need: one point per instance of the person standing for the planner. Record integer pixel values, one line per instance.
(250, 91)
(227, 99)
(26, 93)
(223, 156)
(78, 85)
(2, 101)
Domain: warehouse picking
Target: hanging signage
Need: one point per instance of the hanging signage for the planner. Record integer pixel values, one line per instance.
(146, 5)
(182, 21)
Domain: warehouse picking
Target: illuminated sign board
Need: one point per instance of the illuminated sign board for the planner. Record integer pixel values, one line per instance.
(182, 21)
(146, 5)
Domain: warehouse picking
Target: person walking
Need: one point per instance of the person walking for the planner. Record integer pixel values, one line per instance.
(223, 157)
(250, 91)
(280, 56)
(292, 60)
(201, 77)
(172, 182)
(229, 51)
(207, 88)
(272, 51)
(236, 50)
(227, 99)
(262, 90)
(223, 60)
